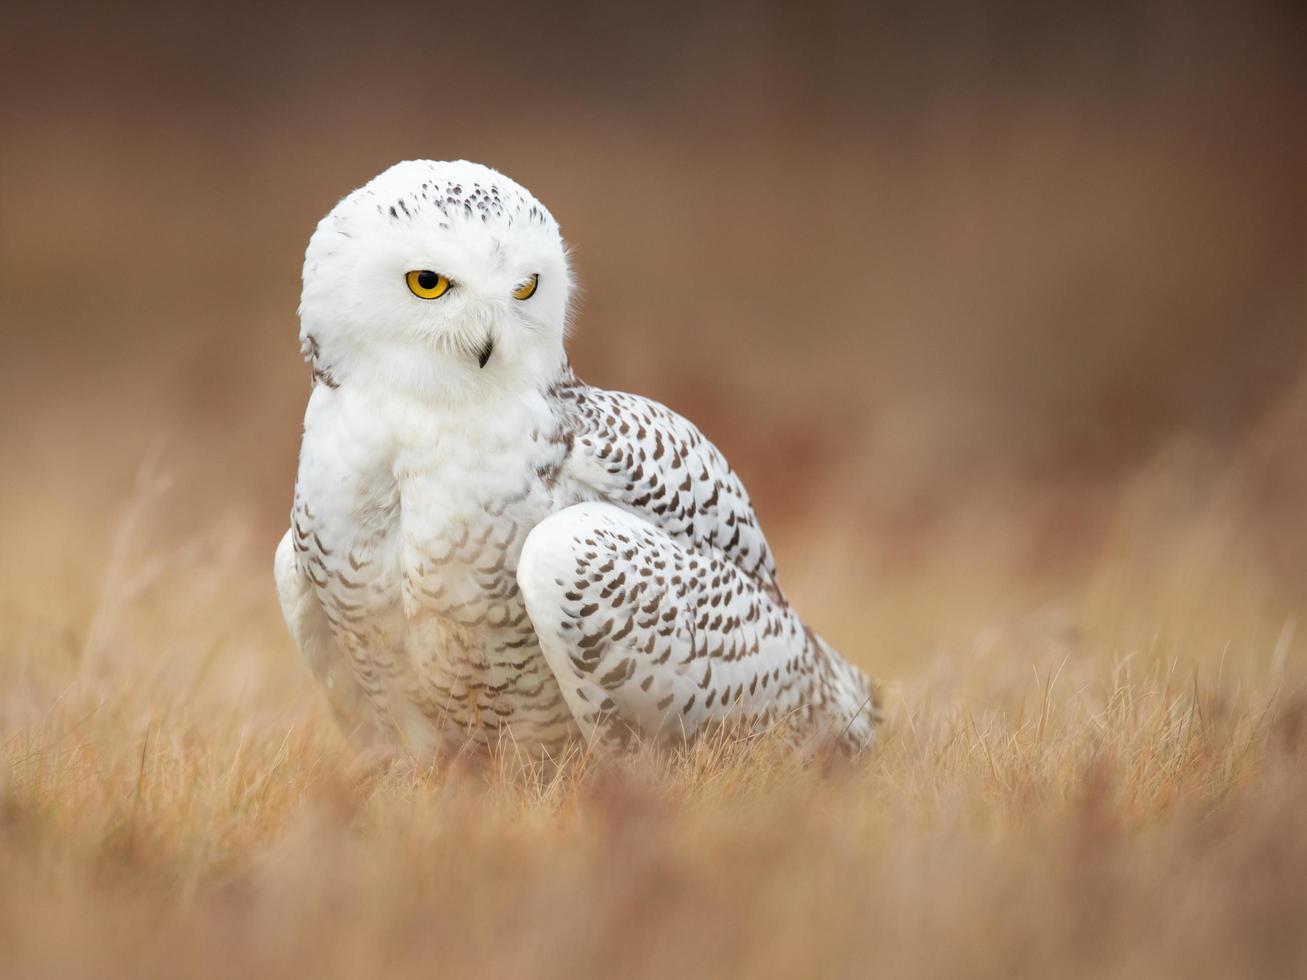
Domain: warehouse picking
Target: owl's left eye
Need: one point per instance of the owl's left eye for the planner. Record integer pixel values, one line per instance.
(425, 284)
(527, 288)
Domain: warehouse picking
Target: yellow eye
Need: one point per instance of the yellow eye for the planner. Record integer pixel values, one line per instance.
(527, 289)
(425, 284)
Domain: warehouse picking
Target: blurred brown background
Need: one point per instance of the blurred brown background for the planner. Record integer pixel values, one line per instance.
(950, 278)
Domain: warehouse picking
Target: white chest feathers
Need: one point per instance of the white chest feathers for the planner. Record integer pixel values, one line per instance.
(410, 525)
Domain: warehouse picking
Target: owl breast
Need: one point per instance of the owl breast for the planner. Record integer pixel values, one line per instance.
(413, 545)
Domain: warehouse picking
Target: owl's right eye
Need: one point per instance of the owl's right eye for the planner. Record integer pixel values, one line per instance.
(425, 284)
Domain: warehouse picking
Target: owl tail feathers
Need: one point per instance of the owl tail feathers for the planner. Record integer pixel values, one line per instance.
(860, 723)
(856, 705)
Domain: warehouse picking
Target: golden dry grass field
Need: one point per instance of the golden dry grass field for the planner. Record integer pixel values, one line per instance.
(1001, 317)
(1111, 782)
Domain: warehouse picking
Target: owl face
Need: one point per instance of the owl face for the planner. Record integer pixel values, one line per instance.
(444, 277)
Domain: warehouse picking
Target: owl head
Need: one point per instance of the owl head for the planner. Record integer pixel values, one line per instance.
(445, 279)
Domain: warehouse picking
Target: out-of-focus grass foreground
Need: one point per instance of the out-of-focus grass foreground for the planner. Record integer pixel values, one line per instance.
(999, 314)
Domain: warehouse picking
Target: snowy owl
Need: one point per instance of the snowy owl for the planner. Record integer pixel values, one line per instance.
(486, 552)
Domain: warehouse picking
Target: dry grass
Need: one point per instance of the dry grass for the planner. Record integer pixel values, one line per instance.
(1110, 785)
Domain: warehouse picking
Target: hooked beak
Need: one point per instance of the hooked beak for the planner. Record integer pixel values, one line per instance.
(488, 348)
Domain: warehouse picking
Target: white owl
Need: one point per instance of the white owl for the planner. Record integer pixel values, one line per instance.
(486, 552)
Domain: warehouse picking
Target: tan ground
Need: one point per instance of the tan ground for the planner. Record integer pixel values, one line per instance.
(1110, 782)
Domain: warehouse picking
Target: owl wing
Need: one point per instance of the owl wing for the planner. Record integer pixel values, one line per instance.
(655, 601)
(309, 628)
(643, 457)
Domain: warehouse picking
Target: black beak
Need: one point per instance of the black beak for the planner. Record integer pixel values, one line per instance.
(488, 348)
